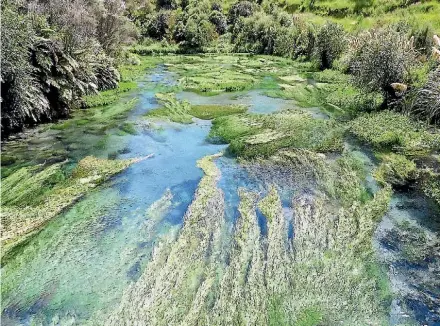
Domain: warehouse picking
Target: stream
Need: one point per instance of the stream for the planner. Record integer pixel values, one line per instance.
(77, 268)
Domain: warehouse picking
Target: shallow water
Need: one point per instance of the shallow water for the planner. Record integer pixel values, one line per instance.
(79, 265)
(407, 242)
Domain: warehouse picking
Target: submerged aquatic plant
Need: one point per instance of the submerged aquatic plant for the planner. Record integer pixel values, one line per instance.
(324, 275)
(182, 112)
(33, 195)
(396, 170)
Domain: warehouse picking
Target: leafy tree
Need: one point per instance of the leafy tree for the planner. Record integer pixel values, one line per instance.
(330, 43)
(240, 9)
(219, 21)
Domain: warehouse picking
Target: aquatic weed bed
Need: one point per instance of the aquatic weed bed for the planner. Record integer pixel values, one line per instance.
(281, 235)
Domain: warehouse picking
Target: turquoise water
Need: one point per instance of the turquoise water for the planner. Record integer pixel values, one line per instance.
(77, 268)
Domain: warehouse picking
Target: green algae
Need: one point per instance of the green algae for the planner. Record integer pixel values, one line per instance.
(331, 259)
(183, 112)
(214, 74)
(128, 128)
(109, 96)
(35, 268)
(179, 275)
(30, 197)
(396, 170)
(391, 130)
(254, 135)
(7, 159)
(209, 112)
(172, 109)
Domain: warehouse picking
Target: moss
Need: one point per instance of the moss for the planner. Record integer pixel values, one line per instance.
(208, 112)
(396, 170)
(391, 130)
(253, 135)
(172, 109)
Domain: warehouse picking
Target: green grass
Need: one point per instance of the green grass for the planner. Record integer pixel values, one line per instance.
(381, 13)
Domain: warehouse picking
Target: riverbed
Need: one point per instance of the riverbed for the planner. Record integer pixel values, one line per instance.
(78, 267)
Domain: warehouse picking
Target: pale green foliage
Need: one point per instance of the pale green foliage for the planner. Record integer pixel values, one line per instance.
(267, 279)
(262, 135)
(388, 129)
(380, 57)
(31, 197)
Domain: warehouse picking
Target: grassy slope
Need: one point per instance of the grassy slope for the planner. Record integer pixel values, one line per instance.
(376, 12)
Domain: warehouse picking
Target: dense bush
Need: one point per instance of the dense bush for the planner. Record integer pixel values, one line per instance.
(257, 34)
(219, 21)
(158, 25)
(330, 43)
(198, 33)
(240, 9)
(379, 58)
(55, 51)
(426, 103)
(305, 41)
(16, 80)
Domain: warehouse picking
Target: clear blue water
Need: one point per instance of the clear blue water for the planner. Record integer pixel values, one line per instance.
(78, 266)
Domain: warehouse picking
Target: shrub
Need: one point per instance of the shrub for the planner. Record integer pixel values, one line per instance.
(158, 26)
(258, 34)
(379, 58)
(240, 9)
(198, 33)
(426, 103)
(219, 21)
(330, 43)
(305, 42)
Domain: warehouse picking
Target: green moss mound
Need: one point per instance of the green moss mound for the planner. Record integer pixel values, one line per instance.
(252, 135)
(209, 112)
(391, 130)
(396, 170)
